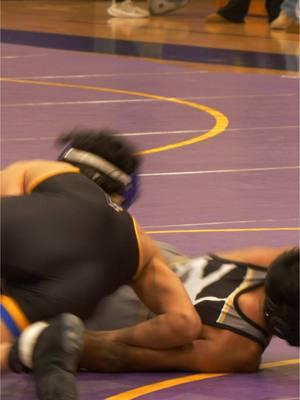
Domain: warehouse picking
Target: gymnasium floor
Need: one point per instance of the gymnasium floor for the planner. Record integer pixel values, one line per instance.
(215, 111)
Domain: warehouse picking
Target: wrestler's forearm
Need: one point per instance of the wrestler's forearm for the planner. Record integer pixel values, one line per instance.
(129, 350)
(102, 353)
(105, 355)
(165, 331)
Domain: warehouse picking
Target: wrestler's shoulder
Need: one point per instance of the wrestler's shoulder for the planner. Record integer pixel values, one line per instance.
(38, 171)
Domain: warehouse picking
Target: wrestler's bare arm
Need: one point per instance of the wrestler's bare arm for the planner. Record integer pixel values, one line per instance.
(162, 292)
(41, 170)
(238, 354)
(12, 179)
(262, 256)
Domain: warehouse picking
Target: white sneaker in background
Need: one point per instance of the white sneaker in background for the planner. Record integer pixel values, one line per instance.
(281, 22)
(127, 9)
(160, 7)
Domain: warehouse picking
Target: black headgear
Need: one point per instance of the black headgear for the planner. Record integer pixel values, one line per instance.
(108, 160)
(282, 321)
(105, 170)
(282, 296)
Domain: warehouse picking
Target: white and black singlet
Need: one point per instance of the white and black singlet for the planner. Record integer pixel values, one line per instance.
(215, 284)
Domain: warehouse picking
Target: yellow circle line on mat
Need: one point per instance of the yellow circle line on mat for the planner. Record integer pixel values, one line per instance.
(222, 230)
(169, 383)
(219, 127)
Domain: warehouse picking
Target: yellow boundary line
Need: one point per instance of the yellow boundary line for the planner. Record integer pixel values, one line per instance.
(169, 383)
(219, 127)
(222, 230)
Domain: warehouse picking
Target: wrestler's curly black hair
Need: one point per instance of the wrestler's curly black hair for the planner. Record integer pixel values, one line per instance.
(106, 144)
(282, 288)
(282, 281)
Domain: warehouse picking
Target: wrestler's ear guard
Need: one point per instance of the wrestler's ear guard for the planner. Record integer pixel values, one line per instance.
(111, 162)
(61, 157)
(130, 192)
(108, 171)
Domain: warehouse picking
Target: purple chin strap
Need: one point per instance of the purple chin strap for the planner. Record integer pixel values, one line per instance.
(130, 193)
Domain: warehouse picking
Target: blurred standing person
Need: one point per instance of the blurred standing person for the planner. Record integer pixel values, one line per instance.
(235, 11)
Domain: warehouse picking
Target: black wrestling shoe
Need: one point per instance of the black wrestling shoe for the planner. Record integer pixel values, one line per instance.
(55, 358)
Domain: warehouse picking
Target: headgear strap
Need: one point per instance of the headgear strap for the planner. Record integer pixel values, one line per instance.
(91, 160)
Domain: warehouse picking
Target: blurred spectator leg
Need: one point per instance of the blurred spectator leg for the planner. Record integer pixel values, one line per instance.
(273, 9)
(234, 11)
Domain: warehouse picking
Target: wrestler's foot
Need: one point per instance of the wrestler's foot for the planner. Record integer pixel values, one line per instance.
(54, 358)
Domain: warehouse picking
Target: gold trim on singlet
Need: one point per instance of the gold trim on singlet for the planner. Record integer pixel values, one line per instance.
(140, 263)
(15, 312)
(229, 302)
(67, 169)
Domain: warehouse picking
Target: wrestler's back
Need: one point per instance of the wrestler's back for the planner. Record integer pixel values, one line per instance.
(67, 230)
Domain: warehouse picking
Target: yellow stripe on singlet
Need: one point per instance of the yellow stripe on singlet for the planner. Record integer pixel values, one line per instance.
(67, 169)
(14, 311)
(228, 304)
(141, 257)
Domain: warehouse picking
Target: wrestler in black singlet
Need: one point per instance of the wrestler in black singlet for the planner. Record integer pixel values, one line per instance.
(65, 246)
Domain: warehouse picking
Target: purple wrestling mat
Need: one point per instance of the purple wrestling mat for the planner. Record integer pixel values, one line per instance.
(221, 171)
